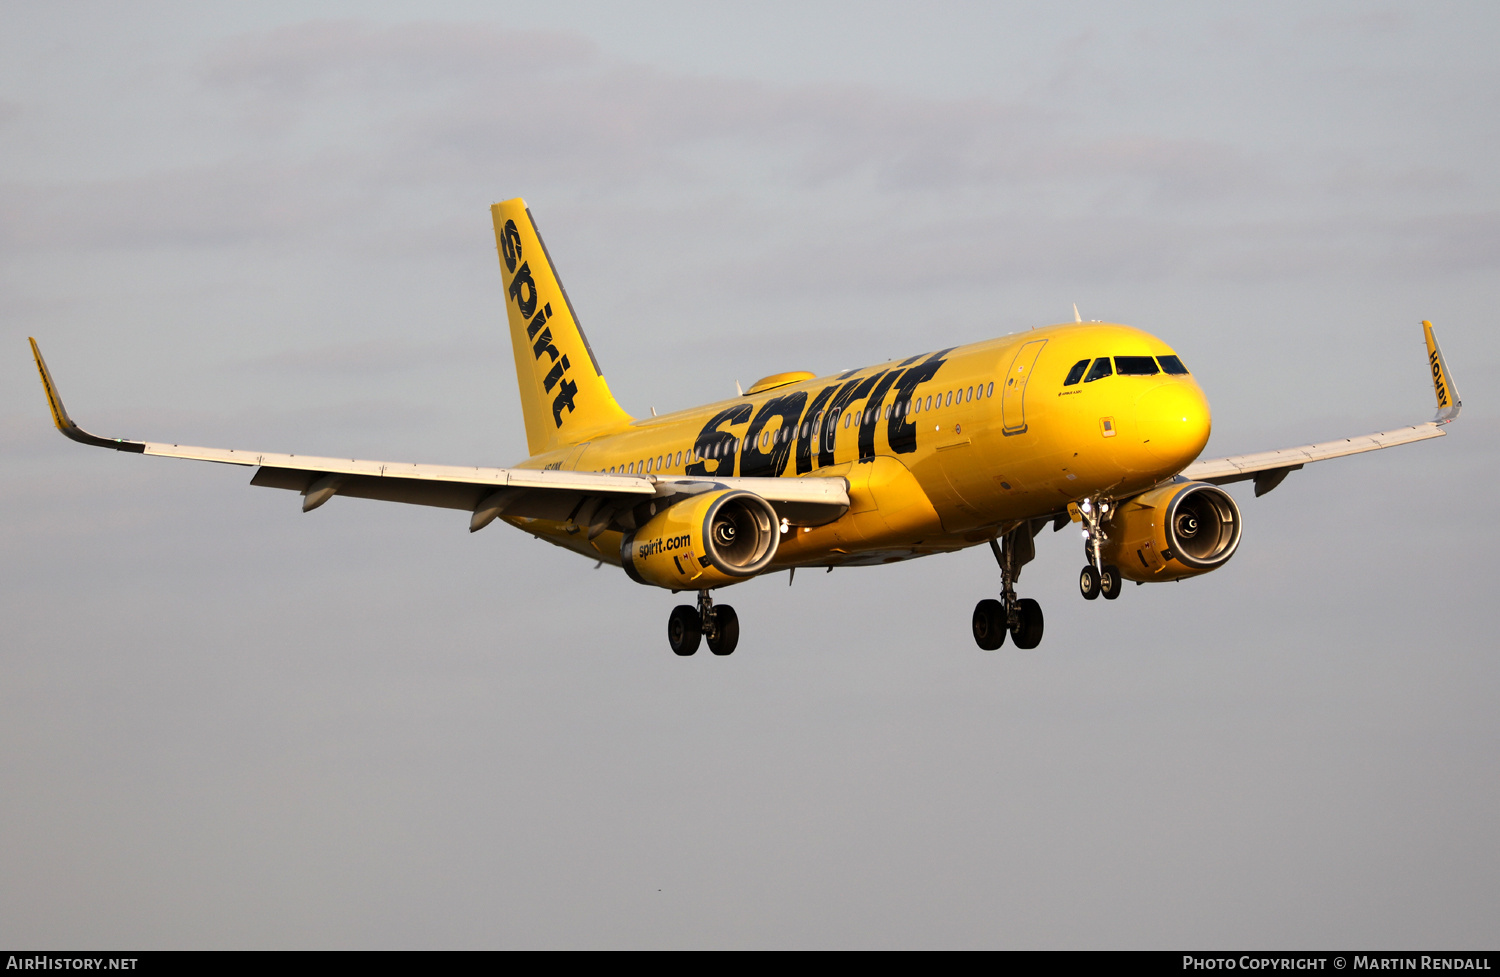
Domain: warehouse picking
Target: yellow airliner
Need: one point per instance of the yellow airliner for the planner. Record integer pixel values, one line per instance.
(1090, 423)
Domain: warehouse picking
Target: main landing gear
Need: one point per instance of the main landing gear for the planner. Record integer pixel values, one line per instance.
(1022, 617)
(1096, 577)
(688, 624)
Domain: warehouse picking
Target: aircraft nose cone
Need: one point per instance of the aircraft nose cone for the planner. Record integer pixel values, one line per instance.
(1173, 420)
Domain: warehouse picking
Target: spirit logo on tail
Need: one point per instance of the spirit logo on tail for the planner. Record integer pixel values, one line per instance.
(523, 293)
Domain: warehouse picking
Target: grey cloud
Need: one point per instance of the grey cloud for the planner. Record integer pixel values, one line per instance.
(211, 204)
(420, 107)
(295, 62)
(375, 356)
(1374, 21)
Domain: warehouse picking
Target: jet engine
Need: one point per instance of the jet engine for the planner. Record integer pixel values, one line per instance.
(1178, 530)
(708, 540)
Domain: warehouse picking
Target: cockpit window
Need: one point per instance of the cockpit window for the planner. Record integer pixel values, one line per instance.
(1076, 374)
(1100, 371)
(1172, 365)
(1135, 366)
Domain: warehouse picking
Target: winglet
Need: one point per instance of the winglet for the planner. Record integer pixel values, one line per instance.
(65, 423)
(1448, 401)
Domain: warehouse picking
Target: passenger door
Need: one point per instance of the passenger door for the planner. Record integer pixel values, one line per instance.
(1013, 399)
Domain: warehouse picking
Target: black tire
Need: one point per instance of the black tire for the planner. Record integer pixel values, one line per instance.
(1110, 582)
(727, 632)
(1028, 630)
(684, 629)
(989, 624)
(1088, 583)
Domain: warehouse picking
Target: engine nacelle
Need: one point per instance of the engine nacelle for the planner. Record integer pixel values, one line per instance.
(709, 540)
(1178, 530)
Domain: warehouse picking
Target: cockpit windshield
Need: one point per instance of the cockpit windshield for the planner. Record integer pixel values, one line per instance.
(1100, 371)
(1125, 366)
(1135, 366)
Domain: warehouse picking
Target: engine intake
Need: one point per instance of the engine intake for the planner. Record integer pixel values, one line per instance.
(708, 540)
(1176, 531)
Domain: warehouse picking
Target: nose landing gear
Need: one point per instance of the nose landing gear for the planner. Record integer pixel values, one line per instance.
(688, 625)
(1096, 577)
(1021, 617)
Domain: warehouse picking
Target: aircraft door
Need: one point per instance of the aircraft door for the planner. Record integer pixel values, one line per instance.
(1013, 398)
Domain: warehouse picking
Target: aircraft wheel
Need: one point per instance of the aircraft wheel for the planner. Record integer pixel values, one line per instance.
(1088, 583)
(1028, 630)
(684, 629)
(1109, 582)
(722, 642)
(989, 624)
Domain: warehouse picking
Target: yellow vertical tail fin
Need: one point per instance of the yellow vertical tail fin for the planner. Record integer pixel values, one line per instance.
(564, 398)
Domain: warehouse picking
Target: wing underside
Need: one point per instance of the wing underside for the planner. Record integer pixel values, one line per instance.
(594, 499)
(1268, 468)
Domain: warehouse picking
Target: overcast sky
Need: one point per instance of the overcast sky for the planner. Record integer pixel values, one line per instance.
(224, 723)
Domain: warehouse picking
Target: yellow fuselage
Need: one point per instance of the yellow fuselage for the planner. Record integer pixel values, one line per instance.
(940, 450)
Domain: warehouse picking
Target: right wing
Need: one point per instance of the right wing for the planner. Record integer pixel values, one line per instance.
(1268, 468)
(594, 500)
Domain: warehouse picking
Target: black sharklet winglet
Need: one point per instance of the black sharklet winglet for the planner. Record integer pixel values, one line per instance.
(65, 423)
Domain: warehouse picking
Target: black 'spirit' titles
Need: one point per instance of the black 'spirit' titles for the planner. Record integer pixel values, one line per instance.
(563, 399)
(820, 422)
(828, 429)
(871, 416)
(901, 432)
(850, 392)
(809, 433)
(523, 292)
(510, 245)
(544, 345)
(554, 375)
(539, 321)
(713, 440)
(757, 462)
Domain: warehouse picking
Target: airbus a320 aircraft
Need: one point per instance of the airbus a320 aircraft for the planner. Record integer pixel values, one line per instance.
(1089, 423)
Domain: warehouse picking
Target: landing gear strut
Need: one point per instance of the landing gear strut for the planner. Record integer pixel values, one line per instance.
(1096, 577)
(1022, 617)
(688, 625)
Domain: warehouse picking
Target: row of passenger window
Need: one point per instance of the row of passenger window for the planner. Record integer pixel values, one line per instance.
(725, 449)
(1125, 366)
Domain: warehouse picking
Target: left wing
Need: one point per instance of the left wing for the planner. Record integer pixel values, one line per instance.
(594, 500)
(1268, 468)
